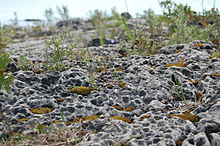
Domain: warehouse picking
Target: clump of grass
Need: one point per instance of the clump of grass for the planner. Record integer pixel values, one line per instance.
(178, 87)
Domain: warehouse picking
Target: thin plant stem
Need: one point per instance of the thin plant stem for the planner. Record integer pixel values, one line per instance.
(126, 5)
(214, 4)
(203, 9)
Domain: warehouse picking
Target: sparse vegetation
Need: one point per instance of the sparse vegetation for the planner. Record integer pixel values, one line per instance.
(49, 15)
(5, 78)
(57, 52)
(5, 36)
(63, 12)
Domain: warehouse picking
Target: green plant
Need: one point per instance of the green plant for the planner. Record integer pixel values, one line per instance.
(216, 54)
(213, 16)
(153, 22)
(178, 87)
(5, 78)
(57, 52)
(24, 63)
(183, 33)
(185, 25)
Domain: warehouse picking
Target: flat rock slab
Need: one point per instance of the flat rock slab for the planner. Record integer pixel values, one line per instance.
(165, 99)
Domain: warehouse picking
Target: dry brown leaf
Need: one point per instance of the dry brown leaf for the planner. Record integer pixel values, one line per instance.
(181, 63)
(42, 110)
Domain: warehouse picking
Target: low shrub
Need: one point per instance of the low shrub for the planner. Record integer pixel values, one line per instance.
(5, 78)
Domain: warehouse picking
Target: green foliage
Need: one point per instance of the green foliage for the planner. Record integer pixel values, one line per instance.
(5, 78)
(185, 26)
(24, 63)
(128, 33)
(153, 21)
(216, 54)
(183, 33)
(213, 16)
(141, 37)
(178, 87)
(57, 52)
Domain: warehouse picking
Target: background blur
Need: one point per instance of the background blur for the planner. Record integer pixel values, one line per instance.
(34, 9)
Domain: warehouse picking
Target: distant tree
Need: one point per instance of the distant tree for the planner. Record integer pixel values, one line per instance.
(14, 21)
(63, 12)
(49, 15)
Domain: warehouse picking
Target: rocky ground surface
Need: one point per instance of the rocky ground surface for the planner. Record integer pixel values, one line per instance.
(172, 98)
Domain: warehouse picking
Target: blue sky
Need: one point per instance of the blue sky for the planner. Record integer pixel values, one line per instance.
(79, 8)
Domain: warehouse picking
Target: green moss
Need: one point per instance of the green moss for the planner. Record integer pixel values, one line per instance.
(42, 110)
(82, 90)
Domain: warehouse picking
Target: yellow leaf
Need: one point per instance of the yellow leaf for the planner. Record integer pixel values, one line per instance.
(144, 117)
(109, 86)
(100, 69)
(82, 90)
(57, 122)
(118, 107)
(188, 116)
(73, 121)
(214, 75)
(198, 45)
(23, 119)
(60, 100)
(152, 67)
(181, 63)
(87, 118)
(129, 109)
(42, 110)
(122, 84)
(90, 118)
(178, 51)
(119, 69)
(122, 119)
